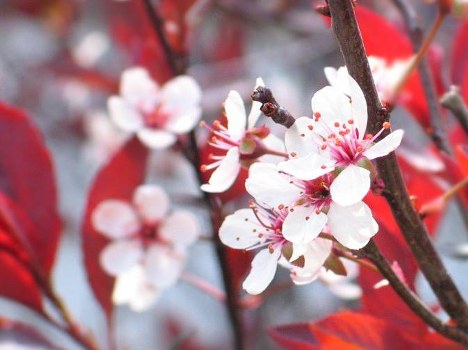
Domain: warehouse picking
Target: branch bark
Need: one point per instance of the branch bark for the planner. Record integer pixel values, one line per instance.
(349, 38)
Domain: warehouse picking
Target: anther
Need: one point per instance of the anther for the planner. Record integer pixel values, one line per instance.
(386, 125)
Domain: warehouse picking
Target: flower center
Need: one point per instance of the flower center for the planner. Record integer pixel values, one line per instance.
(317, 192)
(156, 118)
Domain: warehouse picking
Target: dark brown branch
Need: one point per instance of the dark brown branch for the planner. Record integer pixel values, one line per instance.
(455, 104)
(437, 132)
(410, 298)
(349, 38)
(271, 108)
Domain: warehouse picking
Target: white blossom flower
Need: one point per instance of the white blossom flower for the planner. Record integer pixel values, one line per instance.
(239, 141)
(156, 114)
(148, 248)
(335, 139)
(258, 227)
(311, 205)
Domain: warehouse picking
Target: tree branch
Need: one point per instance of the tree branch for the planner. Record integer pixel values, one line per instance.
(349, 38)
(455, 104)
(271, 108)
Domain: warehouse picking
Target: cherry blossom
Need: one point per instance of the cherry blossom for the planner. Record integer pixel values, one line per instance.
(156, 114)
(257, 228)
(239, 143)
(148, 248)
(311, 205)
(335, 139)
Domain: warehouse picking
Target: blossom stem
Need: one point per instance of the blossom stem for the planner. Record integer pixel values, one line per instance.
(410, 298)
(351, 257)
(204, 286)
(276, 153)
(349, 38)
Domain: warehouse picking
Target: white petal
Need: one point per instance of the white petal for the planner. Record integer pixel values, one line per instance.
(157, 139)
(274, 143)
(309, 167)
(120, 256)
(353, 226)
(163, 266)
(225, 174)
(241, 229)
(298, 249)
(358, 106)
(303, 225)
(263, 270)
(388, 144)
(181, 94)
(123, 115)
(299, 138)
(255, 112)
(350, 186)
(115, 219)
(182, 123)
(138, 89)
(235, 113)
(346, 290)
(332, 76)
(268, 186)
(180, 228)
(134, 289)
(315, 255)
(151, 202)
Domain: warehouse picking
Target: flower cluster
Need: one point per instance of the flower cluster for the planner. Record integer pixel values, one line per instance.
(149, 245)
(316, 193)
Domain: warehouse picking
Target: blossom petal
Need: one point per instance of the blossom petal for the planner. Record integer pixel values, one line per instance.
(241, 230)
(350, 186)
(358, 104)
(151, 202)
(181, 94)
(181, 123)
(263, 270)
(309, 167)
(255, 111)
(157, 139)
(270, 187)
(115, 219)
(138, 89)
(120, 256)
(332, 76)
(180, 228)
(123, 115)
(388, 144)
(163, 266)
(225, 174)
(300, 138)
(353, 226)
(303, 224)
(235, 113)
(133, 288)
(274, 143)
(317, 251)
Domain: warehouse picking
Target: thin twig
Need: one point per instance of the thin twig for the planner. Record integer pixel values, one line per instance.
(453, 101)
(271, 108)
(410, 298)
(351, 45)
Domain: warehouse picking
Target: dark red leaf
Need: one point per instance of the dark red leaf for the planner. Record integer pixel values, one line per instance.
(239, 262)
(21, 333)
(27, 177)
(116, 180)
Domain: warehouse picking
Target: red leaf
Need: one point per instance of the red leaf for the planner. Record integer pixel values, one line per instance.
(21, 333)
(116, 180)
(239, 262)
(460, 55)
(26, 176)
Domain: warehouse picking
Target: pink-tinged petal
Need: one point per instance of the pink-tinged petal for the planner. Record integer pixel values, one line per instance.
(120, 256)
(333, 106)
(300, 138)
(316, 252)
(270, 187)
(255, 111)
(358, 106)
(263, 270)
(350, 186)
(181, 93)
(274, 143)
(180, 228)
(115, 219)
(388, 144)
(181, 123)
(241, 230)
(156, 139)
(235, 114)
(151, 203)
(134, 289)
(302, 224)
(298, 249)
(123, 115)
(138, 89)
(225, 174)
(309, 167)
(163, 266)
(353, 226)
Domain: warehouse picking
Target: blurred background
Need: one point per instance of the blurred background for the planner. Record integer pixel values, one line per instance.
(61, 59)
